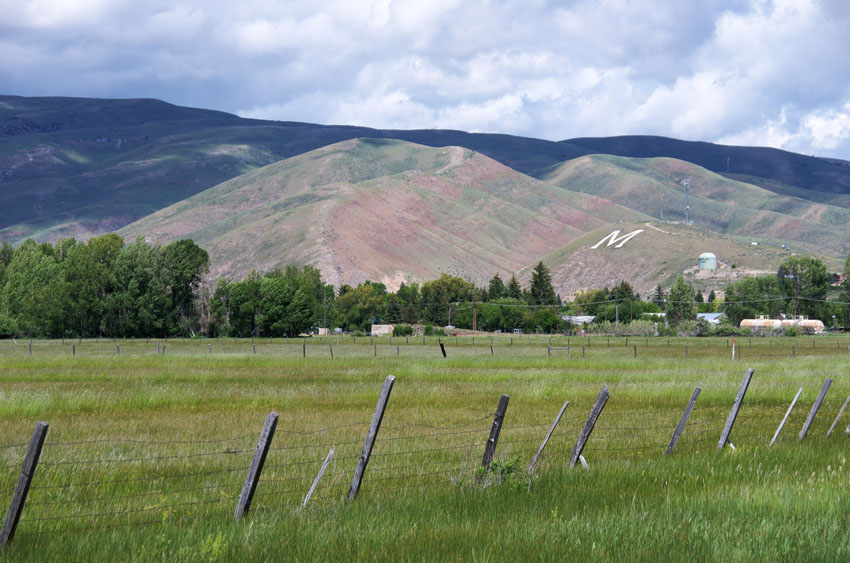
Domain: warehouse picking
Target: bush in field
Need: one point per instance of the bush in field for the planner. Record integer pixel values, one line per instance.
(402, 330)
(431, 330)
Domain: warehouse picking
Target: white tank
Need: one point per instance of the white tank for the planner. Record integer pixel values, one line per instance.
(707, 261)
(759, 325)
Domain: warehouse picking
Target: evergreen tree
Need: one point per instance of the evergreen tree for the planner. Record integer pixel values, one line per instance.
(513, 291)
(496, 289)
(711, 297)
(698, 297)
(680, 306)
(658, 296)
(541, 290)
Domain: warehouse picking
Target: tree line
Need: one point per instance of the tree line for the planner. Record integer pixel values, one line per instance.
(106, 287)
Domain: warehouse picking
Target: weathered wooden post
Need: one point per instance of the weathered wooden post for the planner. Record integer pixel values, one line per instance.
(546, 439)
(498, 419)
(318, 478)
(684, 420)
(815, 407)
(19, 498)
(443, 349)
(371, 435)
(784, 418)
(840, 412)
(331, 348)
(253, 477)
(736, 406)
(584, 435)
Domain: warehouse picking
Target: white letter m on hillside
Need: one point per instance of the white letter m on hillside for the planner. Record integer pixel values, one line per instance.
(614, 238)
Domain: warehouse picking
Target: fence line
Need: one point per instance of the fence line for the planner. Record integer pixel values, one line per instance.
(611, 435)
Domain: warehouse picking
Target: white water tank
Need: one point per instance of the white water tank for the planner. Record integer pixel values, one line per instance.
(707, 261)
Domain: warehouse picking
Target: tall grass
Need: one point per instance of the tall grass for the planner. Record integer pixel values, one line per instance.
(146, 453)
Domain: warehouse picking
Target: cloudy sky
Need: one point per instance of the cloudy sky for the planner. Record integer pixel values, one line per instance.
(756, 72)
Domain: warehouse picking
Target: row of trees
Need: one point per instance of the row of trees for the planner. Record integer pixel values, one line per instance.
(107, 287)
(99, 287)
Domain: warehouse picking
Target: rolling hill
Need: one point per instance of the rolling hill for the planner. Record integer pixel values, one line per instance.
(82, 166)
(655, 186)
(657, 254)
(382, 210)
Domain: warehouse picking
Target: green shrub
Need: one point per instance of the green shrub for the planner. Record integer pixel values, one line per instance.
(402, 330)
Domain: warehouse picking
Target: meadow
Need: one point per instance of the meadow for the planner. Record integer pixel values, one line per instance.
(146, 452)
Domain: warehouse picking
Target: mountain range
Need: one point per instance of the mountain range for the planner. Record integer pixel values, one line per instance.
(393, 205)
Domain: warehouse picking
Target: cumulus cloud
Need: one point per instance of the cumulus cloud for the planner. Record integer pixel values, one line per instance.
(764, 72)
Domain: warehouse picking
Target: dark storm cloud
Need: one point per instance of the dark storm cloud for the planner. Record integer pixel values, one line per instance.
(747, 71)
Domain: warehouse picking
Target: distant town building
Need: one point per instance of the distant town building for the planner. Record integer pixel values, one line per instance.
(381, 330)
(578, 319)
(711, 318)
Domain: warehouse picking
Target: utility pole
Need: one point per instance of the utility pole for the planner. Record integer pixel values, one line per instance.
(324, 308)
(617, 314)
(474, 310)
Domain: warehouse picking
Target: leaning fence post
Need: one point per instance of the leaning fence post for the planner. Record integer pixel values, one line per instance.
(318, 478)
(331, 348)
(684, 420)
(784, 418)
(815, 407)
(736, 406)
(584, 435)
(498, 419)
(253, 477)
(371, 435)
(443, 349)
(546, 439)
(27, 472)
(840, 412)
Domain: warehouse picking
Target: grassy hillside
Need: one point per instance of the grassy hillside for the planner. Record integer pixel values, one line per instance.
(82, 166)
(382, 210)
(761, 163)
(657, 255)
(719, 204)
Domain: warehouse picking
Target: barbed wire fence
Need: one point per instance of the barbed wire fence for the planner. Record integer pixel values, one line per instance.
(101, 484)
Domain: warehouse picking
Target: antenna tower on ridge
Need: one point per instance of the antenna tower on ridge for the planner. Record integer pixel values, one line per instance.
(687, 183)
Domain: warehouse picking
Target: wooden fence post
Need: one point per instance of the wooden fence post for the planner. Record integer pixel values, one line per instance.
(784, 418)
(253, 477)
(815, 407)
(318, 478)
(736, 406)
(583, 436)
(303, 349)
(22, 489)
(684, 420)
(74, 350)
(498, 419)
(443, 349)
(331, 348)
(840, 412)
(546, 439)
(371, 435)
(491, 350)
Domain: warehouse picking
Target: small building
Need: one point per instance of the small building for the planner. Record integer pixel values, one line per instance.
(711, 318)
(381, 330)
(323, 331)
(578, 319)
(707, 261)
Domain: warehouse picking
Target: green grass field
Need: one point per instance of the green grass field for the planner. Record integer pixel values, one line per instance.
(146, 452)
